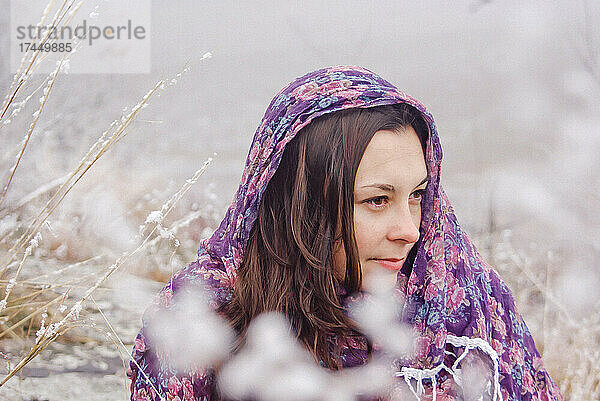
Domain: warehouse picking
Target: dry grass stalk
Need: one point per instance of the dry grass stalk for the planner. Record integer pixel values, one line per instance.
(28, 62)
(568, 343)
(32, 126)
(54, 330)
(122, 348)
(15, 306)
(116, 131)
(69, 12)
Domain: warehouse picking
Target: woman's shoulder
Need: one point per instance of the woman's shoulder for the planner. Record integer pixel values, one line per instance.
(171, 341)
(203, 278)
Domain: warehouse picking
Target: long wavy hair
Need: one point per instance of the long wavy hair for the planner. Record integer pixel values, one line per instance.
(308, 207)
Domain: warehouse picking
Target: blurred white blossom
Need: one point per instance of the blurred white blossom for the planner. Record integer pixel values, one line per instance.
(272, 366)
(189, 332)
(378, 314)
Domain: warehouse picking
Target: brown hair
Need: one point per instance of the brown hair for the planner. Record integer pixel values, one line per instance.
(288, 262)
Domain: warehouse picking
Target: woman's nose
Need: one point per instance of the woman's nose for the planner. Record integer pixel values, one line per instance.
(404, 226)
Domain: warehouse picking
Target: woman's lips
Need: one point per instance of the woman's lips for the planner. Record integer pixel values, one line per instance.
(391, 264)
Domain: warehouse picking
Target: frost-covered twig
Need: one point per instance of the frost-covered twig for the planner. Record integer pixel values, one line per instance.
(28, 62)
(113, 134)
(54, 330)
(36, 116)
(120, 342)
(156, 217)
(34, 243)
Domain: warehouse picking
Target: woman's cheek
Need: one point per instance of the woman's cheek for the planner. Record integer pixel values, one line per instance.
(416, 214)
(365, 232)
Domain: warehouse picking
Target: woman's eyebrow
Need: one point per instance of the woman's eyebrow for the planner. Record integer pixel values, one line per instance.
(390, 188)
(384, 187)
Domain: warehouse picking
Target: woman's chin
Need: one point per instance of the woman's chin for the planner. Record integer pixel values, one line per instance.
(379, 279)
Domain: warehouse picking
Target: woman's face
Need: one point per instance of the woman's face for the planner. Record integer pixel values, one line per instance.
(390, 182)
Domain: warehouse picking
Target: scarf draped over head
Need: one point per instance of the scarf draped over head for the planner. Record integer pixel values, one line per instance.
(452, 295)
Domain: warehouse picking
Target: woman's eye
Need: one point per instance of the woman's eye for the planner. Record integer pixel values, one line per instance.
(418, 195)
(379, 201)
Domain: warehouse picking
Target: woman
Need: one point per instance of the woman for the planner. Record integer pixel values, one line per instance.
(343, 180)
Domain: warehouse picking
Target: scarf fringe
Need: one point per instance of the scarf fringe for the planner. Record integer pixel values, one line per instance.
(468, 344)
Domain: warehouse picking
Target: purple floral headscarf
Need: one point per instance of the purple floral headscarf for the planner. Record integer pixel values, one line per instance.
(451, 293)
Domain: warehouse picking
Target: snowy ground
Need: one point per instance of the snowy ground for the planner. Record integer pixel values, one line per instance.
(91, 369)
